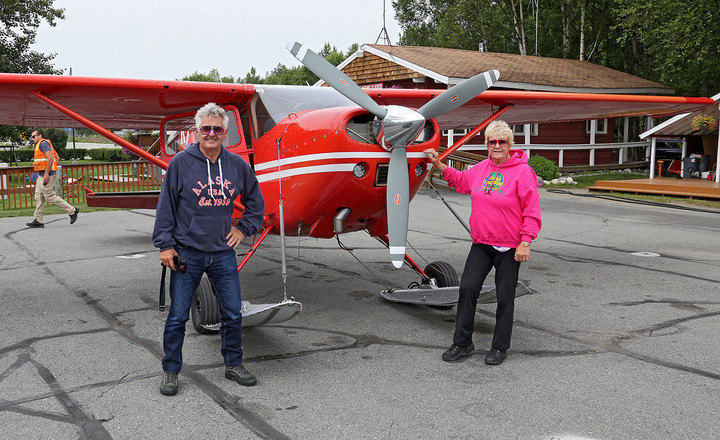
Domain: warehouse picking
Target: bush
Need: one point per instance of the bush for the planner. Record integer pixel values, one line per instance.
(22, 154)
(108, 154)
(544, 167)
(67, 153)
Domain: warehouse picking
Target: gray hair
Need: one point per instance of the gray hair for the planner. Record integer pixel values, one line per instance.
(211, 110)
(500, 130)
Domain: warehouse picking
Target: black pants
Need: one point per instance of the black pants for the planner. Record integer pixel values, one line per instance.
(480, 260)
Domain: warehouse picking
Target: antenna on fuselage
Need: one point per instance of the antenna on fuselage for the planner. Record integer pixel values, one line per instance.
(383, 32)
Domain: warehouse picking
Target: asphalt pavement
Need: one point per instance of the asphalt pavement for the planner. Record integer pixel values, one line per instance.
(619, 342)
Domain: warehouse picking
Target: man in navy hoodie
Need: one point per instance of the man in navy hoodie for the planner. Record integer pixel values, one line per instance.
(193, 220)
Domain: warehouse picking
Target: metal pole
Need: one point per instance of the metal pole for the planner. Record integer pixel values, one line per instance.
(652, 157)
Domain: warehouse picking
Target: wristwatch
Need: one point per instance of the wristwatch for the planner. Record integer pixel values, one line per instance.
(526, 243)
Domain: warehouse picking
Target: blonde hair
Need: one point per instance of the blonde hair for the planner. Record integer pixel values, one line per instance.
(499, 130)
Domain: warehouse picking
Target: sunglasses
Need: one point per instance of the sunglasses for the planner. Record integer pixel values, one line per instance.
(206, 129)
(501, 142)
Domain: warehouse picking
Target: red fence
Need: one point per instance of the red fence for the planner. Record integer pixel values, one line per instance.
(17, 184)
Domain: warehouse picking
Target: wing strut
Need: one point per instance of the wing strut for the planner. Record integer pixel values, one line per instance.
(112, 136)
(101, 130)
(473, 132)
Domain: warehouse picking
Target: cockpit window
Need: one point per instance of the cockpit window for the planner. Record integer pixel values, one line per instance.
(277, 102)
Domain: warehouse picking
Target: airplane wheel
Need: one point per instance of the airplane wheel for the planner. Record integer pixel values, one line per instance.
(445, 276)
(204, 310)
(443, 273)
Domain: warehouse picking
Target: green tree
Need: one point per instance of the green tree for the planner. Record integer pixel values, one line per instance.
(212, 76)
(19, 20)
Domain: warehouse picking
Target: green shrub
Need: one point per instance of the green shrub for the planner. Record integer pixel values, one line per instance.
(108, 154)
(22, 154)
(67, 153)
(544, 167)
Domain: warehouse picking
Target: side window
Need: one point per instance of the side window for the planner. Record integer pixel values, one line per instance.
(178, 131)
(601, 127)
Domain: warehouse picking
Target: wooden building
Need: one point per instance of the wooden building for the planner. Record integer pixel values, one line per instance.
(383, 66)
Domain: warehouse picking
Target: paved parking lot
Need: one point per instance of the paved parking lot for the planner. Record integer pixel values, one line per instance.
(620, 341)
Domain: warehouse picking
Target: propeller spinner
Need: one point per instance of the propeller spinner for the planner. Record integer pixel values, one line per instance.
(395, 127)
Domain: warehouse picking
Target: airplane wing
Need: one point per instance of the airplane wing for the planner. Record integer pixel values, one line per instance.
(536, 107)
(110, 102)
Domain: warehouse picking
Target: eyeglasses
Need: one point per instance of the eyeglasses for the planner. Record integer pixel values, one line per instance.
(501, 142)
(206, 129)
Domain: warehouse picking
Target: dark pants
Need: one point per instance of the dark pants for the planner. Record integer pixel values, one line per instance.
(221, 268)
(481, 259)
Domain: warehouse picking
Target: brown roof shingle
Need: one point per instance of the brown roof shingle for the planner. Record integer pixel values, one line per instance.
(523, 69)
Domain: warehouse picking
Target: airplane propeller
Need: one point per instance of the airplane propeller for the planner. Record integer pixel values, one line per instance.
(395, 127)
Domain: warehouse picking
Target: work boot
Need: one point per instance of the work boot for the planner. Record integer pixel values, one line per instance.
(73, 216)
(239, 374)
(495, 357)
(455, 352)
(169, 385)
(35, 224)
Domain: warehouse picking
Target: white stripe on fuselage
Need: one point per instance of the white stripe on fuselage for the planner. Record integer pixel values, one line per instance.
(340, 167)
(335, 155)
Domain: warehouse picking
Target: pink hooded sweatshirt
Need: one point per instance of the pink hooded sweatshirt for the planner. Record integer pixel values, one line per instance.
(504, 200)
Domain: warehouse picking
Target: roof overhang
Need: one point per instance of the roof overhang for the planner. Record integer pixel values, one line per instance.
(681, 125)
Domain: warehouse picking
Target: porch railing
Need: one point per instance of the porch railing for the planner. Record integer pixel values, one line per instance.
(17, 184)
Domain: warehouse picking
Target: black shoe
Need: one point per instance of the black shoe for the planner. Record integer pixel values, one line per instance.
(73, 217)
(495, 357)
(239, 374)
(169, 384)
(35, 224)
(455, 352)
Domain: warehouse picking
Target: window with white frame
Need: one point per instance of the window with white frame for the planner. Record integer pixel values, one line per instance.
(519, 130)
(601, 127)
(456, 132)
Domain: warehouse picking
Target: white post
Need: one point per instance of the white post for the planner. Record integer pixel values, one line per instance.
(652, 158)
(621, 153)
(626, 135)
(682, 156)
(561, 159)
(451, 137)
(593, 130)
(526, 129)
(717, 159)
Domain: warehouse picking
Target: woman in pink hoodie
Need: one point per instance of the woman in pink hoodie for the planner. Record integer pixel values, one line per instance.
(504, 220)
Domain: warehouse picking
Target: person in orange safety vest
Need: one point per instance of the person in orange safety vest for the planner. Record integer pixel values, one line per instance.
(45, 164)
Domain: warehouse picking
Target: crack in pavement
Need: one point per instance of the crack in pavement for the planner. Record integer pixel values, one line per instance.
(250, 420)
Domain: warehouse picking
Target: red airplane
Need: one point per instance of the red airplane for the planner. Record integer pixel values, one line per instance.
(346, 161)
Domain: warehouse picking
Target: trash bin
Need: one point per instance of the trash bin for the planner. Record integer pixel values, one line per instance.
(691, 165)
(704, 162)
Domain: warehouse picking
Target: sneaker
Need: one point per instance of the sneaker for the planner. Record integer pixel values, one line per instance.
(169, 385)
(455, 352)
(239, 374)
(73, 216)
(495, 357)
(35, 224)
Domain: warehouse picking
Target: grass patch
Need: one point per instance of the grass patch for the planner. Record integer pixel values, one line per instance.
(588, 179)
(51, 210)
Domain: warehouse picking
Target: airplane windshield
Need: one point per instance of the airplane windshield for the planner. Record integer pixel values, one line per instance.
(280, 101)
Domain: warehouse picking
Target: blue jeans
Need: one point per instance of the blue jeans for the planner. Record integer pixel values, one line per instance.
(221, 268)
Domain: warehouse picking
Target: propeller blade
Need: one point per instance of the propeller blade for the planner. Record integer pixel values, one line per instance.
(335, 78)
(458, 95)
(397, 202)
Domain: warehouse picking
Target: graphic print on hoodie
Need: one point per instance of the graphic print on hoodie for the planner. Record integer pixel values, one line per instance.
(196, 201)
(504, 200)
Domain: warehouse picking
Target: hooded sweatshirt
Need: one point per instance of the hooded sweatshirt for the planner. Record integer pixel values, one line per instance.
(196, 201)
(504, 200)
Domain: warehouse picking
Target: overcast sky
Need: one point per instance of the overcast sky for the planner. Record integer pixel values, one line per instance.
(163, 39)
